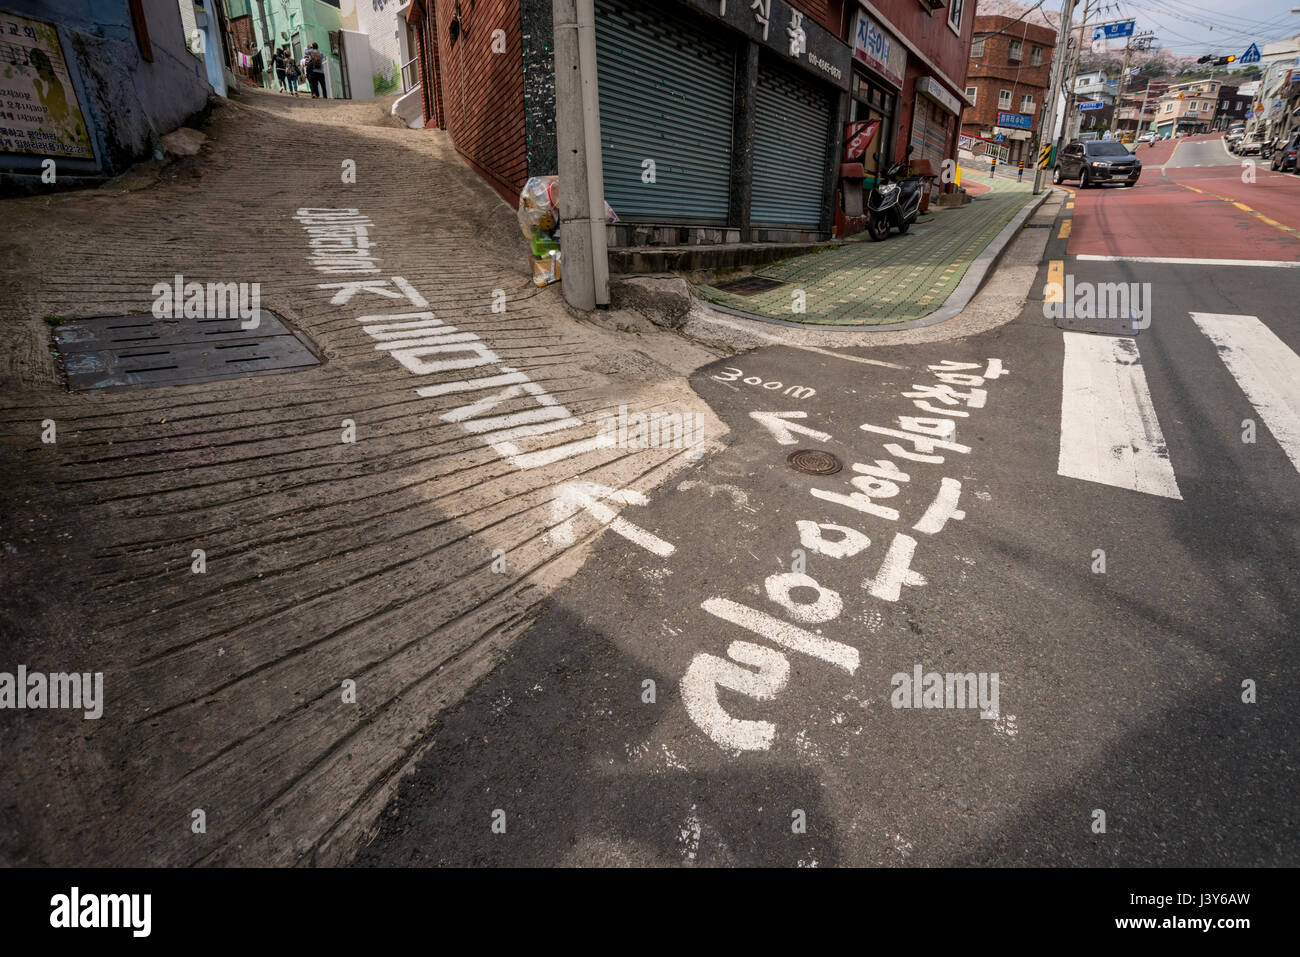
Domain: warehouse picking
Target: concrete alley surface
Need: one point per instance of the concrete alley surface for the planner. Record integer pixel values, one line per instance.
(326, 561)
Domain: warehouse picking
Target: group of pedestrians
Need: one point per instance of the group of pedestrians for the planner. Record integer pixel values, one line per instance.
(289, 71)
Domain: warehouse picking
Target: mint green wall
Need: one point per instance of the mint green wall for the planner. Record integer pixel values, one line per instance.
(314, 21)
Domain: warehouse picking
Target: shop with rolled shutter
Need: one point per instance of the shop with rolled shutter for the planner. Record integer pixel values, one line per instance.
(792, 136)
(718, 121)
(666, 111)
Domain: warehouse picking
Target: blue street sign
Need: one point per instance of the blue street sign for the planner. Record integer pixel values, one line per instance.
(1251, 55)
(1016, 121)
(1117, 31)
(1094, 105)
(998, 138)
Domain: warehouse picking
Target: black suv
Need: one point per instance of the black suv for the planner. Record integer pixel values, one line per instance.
(1095, 162)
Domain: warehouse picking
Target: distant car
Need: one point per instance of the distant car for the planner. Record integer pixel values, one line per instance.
(1284, 159)
(1147, 137)
(1233, 137)
(1095, 162)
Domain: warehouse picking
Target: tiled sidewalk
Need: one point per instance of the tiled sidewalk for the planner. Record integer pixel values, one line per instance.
(903, 278)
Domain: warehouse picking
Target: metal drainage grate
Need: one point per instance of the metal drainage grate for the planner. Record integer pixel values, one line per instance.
(749, 285)
(1105, 327)
(139, 352)
(814, 462)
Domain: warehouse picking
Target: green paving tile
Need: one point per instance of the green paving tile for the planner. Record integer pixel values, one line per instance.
(900, 279)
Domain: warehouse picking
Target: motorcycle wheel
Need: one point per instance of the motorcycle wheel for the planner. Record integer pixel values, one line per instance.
(878, 228)
(907, 223)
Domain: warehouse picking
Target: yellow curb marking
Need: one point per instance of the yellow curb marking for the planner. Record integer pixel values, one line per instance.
(1055, 291)
(1065, 229)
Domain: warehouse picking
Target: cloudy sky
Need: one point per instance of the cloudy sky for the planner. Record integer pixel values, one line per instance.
(1192, 27)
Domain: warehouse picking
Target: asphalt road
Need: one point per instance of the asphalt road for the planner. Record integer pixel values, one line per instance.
(1122, 553)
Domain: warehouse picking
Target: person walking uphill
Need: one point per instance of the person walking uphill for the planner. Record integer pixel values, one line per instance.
(279, 59)
(291, 71)
(316, 72)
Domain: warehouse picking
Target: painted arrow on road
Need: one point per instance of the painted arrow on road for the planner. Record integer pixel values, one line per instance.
(784, 431)
(574, 497)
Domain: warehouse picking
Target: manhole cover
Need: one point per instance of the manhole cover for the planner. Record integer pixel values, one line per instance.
(139, 352)
(814, 462)
(749, 285)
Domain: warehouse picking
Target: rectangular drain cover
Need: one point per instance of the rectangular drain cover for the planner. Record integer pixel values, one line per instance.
(139, 352)
(1105, 327)
(749, 285)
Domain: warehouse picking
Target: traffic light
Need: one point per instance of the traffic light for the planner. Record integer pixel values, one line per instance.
(1206, 59)
(1225, 60)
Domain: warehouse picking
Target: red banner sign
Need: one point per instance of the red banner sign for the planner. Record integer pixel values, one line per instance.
(857, 138)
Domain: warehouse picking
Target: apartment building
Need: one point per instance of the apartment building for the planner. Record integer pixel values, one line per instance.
(1188, 108)
(1007, 81)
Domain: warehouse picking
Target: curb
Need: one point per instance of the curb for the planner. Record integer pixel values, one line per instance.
(957, 300)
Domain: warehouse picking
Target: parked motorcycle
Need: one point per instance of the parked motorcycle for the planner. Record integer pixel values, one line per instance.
(894, 201)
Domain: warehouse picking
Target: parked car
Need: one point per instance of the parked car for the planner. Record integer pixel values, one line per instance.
(1284, 159)
(1248, 144)
(1095, 162)
(1233, 137)
(1147, 137)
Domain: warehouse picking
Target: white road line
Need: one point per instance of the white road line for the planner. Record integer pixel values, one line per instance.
(793, 345)
(1109, 430)
(1275, 263)
(1267, 371)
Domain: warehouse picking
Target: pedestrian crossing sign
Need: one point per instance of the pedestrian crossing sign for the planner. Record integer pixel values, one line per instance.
(1251, 55)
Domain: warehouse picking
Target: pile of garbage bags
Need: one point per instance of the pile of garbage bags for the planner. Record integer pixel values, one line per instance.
(539, 218)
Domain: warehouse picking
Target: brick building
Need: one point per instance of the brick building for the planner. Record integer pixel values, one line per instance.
(740, 109)
(1008, 77)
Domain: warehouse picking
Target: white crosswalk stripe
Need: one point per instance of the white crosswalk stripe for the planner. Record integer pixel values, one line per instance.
(1109, 430)
(1267, 371)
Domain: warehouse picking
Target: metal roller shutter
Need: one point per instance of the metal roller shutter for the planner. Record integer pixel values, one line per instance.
(792, 126)
(929, 132)
(665, 95)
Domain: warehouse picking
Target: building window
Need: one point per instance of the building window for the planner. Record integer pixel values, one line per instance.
(977, 47)
(1036, 56)
(954, 14)
(970, 93)
(1014, 51)
(1027, 103)
(1169, 107)
(1004, 100)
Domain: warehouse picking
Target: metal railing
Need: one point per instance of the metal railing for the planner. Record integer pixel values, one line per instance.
(410, 74)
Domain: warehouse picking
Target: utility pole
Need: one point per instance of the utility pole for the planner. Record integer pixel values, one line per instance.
(1059, 56)
(1068, 119)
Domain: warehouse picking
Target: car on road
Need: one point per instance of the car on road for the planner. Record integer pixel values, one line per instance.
(1284, 159)
(1233, 137)
(1095, 162)
(1146, 137)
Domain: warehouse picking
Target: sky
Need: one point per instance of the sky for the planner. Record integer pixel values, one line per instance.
(1184, 27)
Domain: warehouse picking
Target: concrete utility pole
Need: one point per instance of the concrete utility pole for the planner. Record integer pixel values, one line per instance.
(584, 251)
(1059, 56)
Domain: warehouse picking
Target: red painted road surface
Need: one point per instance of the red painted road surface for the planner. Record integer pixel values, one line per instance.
(1162, 217)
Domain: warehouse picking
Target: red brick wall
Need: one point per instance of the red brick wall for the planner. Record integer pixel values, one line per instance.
(996, 71)
(483, 92)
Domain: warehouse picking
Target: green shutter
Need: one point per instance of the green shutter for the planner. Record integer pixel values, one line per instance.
(792, 127)
(666, 94)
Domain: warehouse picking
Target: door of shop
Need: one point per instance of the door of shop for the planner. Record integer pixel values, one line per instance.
(666, 91)
(792, 126)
